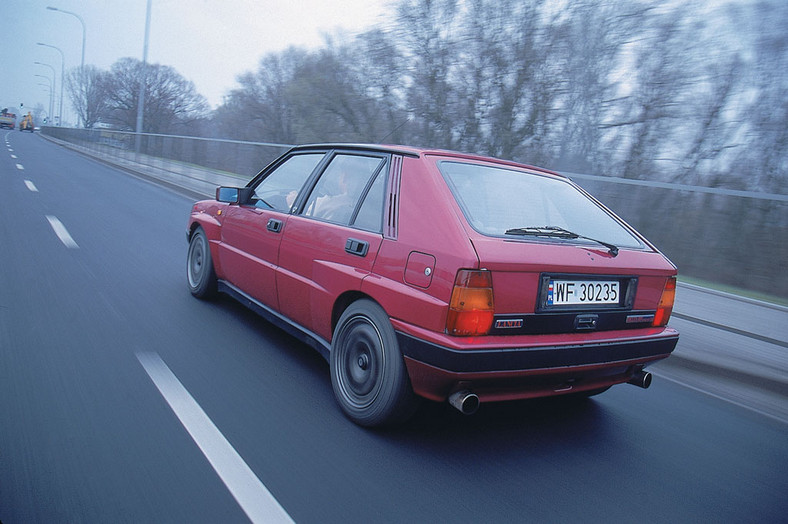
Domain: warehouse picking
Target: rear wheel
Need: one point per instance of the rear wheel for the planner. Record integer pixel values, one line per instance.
(199, 266)
(368, 372)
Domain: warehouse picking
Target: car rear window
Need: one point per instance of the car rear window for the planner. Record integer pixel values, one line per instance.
(497, 199)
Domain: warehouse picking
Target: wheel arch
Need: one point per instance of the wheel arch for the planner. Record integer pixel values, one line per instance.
(212, 232)
(344, 301)
(209, 224)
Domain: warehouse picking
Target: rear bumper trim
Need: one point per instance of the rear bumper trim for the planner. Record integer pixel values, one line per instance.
(542, 357)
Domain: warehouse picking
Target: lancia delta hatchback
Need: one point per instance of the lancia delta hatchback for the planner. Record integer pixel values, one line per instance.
(438, 275)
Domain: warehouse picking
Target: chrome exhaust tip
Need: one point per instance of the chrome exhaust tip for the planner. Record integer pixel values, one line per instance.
(465, 402)
(641, 379)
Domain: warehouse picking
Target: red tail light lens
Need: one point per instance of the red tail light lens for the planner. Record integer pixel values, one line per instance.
(471, 309)
(665, 307)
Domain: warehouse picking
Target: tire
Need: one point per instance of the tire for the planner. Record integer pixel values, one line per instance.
(200, 274)
(368, 373)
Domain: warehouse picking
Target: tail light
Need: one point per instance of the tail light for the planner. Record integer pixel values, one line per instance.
(471, 308)
(665, 307)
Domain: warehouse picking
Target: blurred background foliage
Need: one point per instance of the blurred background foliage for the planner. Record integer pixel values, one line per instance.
(691, 92)
(682, 92)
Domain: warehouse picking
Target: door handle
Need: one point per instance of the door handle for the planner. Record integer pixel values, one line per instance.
(357, 247)
(274, 225)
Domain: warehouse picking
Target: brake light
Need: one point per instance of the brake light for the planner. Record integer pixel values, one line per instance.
(666, 301)
(471, 308)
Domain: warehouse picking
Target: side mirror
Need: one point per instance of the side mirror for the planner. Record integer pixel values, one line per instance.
(228, 195)
(233, 195)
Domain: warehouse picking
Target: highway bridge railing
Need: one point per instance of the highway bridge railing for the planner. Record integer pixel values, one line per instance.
(732, 237)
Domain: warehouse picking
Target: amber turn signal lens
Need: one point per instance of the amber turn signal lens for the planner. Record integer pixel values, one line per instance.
(666, 301)
(471, 308)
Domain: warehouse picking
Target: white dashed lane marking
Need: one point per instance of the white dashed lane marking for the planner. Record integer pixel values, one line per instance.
(20, 167)
(61, 232)
(31, 186)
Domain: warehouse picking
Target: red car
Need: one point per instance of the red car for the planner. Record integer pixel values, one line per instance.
(436, 274)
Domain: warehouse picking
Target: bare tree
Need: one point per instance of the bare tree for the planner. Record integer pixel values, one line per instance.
(588, 64)
(624, 87)
(764, 162)
(510, 53)
(39, 110)
(426, 31)
(87, 91)
(171, 102)
(377, 62)
(653, 107)
(260, 109)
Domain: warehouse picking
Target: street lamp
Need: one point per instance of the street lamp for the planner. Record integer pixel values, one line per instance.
(82, 65)
(62, 79)
(54, 84)
(49, 89)
(50, 92)
(141, 100)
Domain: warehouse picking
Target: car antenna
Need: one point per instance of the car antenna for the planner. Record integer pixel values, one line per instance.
(394, 130)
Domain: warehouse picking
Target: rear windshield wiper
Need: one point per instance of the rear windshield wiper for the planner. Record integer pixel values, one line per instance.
(558, 232)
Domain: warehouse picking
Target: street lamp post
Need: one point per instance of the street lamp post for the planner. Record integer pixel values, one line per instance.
(141, 102)
(62, 79)
(50, 91)
(82, 64)
(54, 84)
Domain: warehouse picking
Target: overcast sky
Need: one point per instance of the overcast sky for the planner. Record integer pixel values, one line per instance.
(209, 42)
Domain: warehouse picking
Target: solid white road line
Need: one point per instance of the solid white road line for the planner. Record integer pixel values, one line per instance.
(62, 232)
(251, 494)
(719, 397)
(31, 186)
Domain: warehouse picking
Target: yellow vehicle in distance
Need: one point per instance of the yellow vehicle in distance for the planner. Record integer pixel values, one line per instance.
(27, 123)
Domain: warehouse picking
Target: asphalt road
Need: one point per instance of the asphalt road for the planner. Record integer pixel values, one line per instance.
(124, 399)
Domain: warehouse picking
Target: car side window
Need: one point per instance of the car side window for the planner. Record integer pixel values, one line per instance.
(370, 214)
(344, 182)
(279, 189)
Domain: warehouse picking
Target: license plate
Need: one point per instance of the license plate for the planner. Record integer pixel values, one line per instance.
(582, 292)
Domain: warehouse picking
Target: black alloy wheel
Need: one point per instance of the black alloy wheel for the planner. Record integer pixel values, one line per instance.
(368, 373)
(199, 266)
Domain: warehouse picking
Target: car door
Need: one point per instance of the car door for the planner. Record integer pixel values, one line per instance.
(331, 243)
(252, 230)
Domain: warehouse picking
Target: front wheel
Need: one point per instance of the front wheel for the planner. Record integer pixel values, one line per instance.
(368, 373)
(199, 266)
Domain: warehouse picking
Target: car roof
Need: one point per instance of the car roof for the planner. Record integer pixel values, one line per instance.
(422, 152)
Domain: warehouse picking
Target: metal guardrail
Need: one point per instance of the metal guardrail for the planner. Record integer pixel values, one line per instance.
(682, 187)
(226, 156)
(734, 237)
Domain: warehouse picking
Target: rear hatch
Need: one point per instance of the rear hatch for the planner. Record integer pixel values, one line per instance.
(561, 262)
(548, 288)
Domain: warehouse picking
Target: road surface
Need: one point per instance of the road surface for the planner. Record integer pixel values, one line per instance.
(124, 399)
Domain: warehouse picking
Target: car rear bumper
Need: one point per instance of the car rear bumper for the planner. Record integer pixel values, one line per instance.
(508, 373)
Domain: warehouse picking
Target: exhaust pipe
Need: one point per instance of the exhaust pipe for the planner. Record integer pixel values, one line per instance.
(641, 379)
(466, 402)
